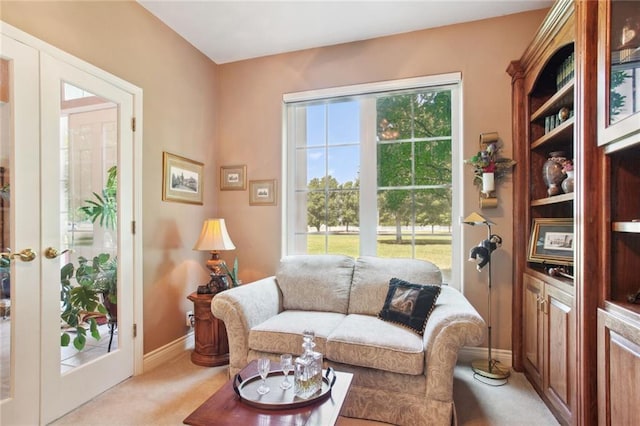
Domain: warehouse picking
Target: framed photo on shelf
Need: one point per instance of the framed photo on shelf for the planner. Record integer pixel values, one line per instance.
(262, 192)
(551, 241)
(182, 179)
(233, 178)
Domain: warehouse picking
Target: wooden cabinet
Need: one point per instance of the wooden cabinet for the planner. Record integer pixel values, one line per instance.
(547, 118)
(211, 343)
(619, 369)
(619, 139)
(548, 333)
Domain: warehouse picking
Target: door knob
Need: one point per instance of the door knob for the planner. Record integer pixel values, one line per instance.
(26, 255)
(51, 253)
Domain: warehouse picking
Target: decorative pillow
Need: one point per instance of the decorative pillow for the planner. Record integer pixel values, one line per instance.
(409, 304)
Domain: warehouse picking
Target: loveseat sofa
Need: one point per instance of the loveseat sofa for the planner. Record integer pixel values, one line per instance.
(400, 376)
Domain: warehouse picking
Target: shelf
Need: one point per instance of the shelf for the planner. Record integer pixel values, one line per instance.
(562, 98)
(632, 227)
(629, 311)
(562, 283)
(562, 198)
(563, 132)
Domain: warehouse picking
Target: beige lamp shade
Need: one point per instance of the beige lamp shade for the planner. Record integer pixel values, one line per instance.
(214, 237)
(476, 218)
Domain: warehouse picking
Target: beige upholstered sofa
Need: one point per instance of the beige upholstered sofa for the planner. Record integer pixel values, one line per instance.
(400, 377)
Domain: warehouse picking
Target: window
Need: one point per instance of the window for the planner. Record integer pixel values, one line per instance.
(370, 170)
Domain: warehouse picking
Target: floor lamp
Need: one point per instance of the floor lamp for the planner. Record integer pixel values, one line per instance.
(482, 255)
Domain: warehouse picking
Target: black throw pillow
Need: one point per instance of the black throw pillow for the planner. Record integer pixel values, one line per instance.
(409, 304)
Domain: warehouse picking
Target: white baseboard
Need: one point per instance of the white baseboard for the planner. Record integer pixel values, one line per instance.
(168, 352)
(466, 355)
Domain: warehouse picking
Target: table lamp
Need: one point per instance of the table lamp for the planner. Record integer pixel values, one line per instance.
(481, 254)
(215, 238)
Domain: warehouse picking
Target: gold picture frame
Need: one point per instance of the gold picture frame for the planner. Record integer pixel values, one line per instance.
(182, 179)
(233, 178)
(263, 192)
(552, 241)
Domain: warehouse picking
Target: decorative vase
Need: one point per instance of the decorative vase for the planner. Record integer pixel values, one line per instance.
(567, 184)
(488, 182)
(552, 173)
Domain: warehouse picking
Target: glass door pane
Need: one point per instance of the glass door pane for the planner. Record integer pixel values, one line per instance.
(5, 233)
(88, 220)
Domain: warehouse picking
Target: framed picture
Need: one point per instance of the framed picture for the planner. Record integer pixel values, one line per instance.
(551, 241)
(233, 178)
(182, 179)
(262, 192)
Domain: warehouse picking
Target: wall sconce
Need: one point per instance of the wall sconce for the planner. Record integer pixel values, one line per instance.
(489, 168)
(215, 238)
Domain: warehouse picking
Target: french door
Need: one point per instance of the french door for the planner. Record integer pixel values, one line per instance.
(64, 130)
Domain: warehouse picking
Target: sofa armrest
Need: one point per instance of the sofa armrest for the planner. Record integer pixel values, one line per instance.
(454, 323)
(241, 308)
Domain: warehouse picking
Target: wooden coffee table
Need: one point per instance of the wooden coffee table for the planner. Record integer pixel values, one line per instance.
(225, 408)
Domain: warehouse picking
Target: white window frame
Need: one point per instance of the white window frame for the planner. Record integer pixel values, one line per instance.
(368, 173)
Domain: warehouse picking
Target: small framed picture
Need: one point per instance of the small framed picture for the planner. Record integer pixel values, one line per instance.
(182, 179)
(551, 241)
(233, 178)
(262, 192)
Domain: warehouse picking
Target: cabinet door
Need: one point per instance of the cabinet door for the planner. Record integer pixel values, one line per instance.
(619, 76)
(618, 370)
(533, 331)
(559, 326)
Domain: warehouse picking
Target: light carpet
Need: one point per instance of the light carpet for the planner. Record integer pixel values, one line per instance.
(169, 393)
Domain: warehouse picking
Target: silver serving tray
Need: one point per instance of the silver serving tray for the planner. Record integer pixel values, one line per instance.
(277, 398)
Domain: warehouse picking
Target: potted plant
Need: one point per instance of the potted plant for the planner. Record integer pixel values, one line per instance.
(89, 290)
(92, 294)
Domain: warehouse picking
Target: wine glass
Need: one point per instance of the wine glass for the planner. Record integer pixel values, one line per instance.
(264, 365)
(287, 366)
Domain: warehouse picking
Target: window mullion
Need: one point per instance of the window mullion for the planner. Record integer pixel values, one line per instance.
(368, 177)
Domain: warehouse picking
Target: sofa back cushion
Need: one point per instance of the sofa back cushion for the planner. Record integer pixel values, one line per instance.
(315, 282)
(371, 278)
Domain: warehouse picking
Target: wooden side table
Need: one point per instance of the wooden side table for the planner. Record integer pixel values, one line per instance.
(211, 346)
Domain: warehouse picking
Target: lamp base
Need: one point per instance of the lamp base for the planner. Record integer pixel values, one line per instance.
(489, 369)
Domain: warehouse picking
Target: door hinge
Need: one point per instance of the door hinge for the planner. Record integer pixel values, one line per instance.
(135, 330)
(133, 124)
(133, 227)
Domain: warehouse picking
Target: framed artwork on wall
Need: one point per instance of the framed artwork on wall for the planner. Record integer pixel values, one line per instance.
(262, 192)
(182, 179)
(233, 178)
(551, 241)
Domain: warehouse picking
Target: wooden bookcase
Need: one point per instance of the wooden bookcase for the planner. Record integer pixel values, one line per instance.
(544, 321)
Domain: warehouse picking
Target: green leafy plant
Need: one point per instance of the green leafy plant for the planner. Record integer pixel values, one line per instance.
(81, 302)
(233, 273)
(94, 290)
(104, 208)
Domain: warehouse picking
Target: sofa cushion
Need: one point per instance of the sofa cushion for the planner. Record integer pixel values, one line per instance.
(409, 304)
(315, 283)
(282, 333)
(371, 280)
(368, 341)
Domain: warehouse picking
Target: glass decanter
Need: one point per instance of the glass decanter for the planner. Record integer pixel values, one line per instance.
(308, 368)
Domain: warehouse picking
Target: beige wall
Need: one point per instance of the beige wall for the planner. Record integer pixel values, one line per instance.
(250, 123)
(232, 114)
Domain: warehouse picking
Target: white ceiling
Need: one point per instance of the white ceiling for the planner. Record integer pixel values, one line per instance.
(233, 30)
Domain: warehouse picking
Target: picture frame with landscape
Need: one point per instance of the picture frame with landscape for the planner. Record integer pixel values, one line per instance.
(182, 179)
(233, 178)
(262, 192)
(552, 241)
